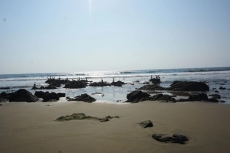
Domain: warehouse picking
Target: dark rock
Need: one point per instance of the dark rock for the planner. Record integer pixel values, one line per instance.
(5, 88)
(22, 95)
(5, 95)
(61, 94)
(152, 87)
(82, 116)
(155, 80)
(222, 88)
(216, 96)
(76, 84)
(43, 87)
(199, 97)
(175, 138)
(104, 119)
(188, 86)
(39, 94)
(213, 100)
(3, 100)
(100, 84)
(216, 91)
(56, 82)
(137, 96)
(145, 82)
(50, 97)
(146, 124)
(75, 116)
(222, 101)
(161, 97)
(118, 83)
(83, 97)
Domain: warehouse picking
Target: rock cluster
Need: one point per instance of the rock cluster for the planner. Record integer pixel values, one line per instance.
(76, 84)
(137, 96)
(46, 96)
(179, 86)
(22, 95)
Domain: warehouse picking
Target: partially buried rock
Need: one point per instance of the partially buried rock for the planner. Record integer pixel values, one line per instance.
(146, 124)
(82, 116)
(104, 119)
(175, 138)
(83, 97)
(22, 95)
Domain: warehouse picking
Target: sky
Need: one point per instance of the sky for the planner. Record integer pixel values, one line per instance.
(43, 36)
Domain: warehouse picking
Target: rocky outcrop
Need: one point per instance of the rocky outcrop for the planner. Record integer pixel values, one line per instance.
(4, 87)
(222, 88)
(188, 86)
(48, 97)
(99, 84)
(61, 94)
(76, 84)
(164, 98)
(198, 97)
(2, 100)
(39, 94)
(43, 87)
(137, 96)
(83, 97)
(56, 82)
(216, 96)
(22, 95)
(175, 138)
(146, 124)
(4, 95)
(152, 87)
(118, 83)
(179, 86)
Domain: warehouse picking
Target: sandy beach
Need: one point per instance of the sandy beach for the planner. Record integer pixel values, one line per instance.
(31, 127)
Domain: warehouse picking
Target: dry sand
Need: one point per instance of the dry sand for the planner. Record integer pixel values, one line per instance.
(30, 127)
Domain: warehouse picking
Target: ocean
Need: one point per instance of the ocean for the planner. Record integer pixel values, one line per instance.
(215, 77)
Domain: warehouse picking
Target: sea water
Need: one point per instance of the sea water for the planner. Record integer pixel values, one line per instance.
(214, 77)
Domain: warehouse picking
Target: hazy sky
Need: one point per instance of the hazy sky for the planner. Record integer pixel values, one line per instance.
(90, 35)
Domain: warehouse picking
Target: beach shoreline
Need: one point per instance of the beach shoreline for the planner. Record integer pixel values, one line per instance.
(31, 127)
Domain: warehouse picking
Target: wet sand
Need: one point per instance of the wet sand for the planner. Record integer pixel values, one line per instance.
(30, 127)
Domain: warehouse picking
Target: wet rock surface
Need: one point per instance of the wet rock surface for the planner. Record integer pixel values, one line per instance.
(83, 97)
(175, 138)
